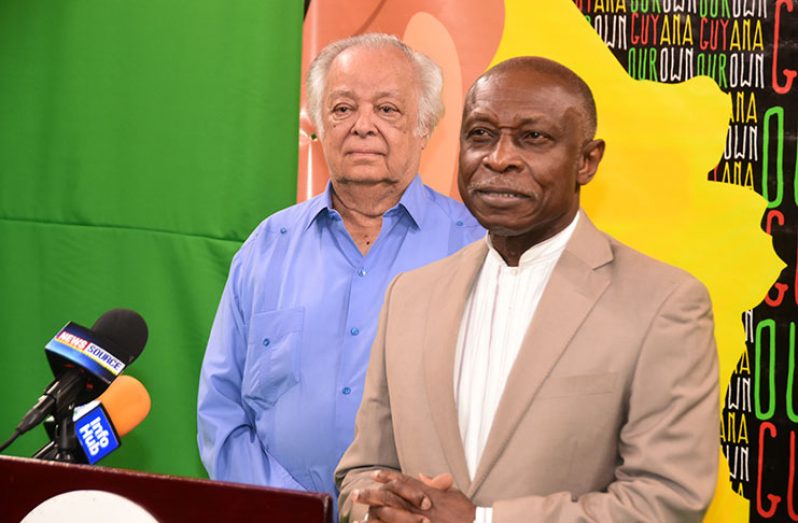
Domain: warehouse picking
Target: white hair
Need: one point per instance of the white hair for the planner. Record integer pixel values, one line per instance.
(430, 103)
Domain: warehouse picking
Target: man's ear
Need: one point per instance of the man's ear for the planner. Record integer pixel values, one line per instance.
(425, 140)
(589, 159)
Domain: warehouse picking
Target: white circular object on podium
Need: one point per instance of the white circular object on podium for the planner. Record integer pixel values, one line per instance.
(80, 506)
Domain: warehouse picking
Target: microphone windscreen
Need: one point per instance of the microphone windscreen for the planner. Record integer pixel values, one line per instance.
(126, 329)
(127, 403)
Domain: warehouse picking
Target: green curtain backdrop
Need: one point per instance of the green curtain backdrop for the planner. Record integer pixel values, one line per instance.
(140, 143)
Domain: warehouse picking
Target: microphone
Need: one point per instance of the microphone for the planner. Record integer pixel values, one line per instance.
(85, 361)
(100, 424)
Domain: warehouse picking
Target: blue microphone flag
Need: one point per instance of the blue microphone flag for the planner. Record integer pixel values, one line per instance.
(95, 433)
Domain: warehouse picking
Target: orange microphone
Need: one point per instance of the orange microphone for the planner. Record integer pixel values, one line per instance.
(100, 424)
(127, 403)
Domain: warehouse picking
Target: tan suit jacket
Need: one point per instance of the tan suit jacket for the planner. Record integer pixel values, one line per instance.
(610, 412)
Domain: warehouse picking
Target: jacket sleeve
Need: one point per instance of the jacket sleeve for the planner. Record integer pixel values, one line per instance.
(669, 443)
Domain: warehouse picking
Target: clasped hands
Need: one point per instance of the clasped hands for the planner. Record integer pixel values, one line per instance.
(402, 499)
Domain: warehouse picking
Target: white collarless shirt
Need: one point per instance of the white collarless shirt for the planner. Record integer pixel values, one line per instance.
(497, 315)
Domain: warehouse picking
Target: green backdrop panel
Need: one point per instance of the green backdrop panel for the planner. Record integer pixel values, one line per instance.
(140, 142)
(62, 273)
(174, 116)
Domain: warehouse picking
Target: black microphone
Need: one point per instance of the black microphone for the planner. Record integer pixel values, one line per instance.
(85, 361)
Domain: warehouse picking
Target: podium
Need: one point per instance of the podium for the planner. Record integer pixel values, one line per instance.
(26, 483)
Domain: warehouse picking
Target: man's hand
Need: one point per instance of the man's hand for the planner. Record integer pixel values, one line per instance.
(441, 481)
(402, 499)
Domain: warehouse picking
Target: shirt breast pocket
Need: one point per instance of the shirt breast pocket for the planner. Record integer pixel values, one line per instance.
(272, 365)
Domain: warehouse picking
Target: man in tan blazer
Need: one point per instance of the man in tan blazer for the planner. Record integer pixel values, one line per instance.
(603, 408)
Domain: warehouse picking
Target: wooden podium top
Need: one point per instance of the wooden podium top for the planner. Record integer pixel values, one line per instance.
(25, 483)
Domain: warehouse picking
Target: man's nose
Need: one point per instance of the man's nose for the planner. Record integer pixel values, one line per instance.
(364, 123)
(503, 157)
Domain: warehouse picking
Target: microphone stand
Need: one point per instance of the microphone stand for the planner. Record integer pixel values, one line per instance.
(64, 444)
(66, 441)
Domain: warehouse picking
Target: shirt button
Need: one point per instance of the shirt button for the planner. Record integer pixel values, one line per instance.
(459, 223)
(354, 331)
(346, 390)
(283, 230)
(266, 342)
(361, 272)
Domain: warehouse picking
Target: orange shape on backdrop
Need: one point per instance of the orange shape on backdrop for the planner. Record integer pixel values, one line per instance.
(438, 165)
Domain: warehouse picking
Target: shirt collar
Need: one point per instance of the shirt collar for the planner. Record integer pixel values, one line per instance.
(322, 204)
(553, 246)
(412, 202)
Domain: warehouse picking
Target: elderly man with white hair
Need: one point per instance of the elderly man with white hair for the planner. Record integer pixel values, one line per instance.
(284, 368)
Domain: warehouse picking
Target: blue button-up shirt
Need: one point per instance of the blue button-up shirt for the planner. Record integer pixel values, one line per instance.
(283, 373)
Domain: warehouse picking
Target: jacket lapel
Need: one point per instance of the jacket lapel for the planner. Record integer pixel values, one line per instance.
(572, 291)
(446, 306)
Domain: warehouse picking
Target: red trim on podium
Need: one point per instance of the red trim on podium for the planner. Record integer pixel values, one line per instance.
(26, 483)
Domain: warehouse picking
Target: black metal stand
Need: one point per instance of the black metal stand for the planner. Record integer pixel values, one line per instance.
(64, 446)
(65, 439)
